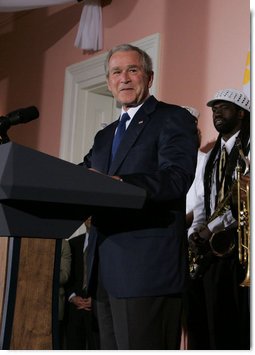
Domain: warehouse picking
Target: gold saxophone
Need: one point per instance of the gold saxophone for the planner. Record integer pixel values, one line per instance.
(223, 243)
(243, 220)
(220, 244)
(243, 226)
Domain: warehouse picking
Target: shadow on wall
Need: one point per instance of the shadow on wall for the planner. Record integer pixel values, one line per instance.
(121, 12)
(24, 37)
(208, 146)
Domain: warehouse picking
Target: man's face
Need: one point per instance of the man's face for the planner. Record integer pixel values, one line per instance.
(227, 117)
(127, 79)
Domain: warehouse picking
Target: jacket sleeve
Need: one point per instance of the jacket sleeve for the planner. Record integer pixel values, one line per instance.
(177, 147)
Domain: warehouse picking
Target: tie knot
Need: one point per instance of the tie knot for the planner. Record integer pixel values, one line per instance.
(125, 117)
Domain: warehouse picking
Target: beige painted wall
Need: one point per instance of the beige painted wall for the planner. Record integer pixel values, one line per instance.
(204, 44)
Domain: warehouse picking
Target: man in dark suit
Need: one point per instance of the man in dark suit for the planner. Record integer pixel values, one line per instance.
(82, 328)
(137, 258)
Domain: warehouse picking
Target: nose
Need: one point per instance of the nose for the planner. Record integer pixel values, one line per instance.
(125, 77)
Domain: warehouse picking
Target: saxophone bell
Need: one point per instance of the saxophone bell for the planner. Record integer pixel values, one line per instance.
(222, 243)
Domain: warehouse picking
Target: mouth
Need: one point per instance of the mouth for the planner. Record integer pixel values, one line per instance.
(126, 89)
(218, 121)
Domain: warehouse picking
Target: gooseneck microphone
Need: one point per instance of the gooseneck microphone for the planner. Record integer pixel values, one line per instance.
(22, 115)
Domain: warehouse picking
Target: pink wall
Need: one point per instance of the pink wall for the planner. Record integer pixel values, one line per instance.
(203, 48)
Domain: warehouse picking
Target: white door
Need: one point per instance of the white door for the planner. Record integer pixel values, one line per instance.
(95, 111)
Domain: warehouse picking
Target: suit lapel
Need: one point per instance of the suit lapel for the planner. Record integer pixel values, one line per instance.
(102, 164)
(135, 128)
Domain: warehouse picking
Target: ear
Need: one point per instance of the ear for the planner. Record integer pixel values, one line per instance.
(151, 77)
(241, 114)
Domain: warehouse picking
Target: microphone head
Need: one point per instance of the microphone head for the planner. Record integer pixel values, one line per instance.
(23, 115)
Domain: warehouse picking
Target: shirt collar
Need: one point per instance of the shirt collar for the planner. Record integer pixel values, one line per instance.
(131, 111)
(229, 144)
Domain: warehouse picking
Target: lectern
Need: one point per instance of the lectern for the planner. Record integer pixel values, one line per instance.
(43, 199)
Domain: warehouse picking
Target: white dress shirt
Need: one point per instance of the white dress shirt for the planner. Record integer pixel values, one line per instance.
(197, 187)
(222, 222)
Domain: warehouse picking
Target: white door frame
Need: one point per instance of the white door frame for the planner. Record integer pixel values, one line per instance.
(90, 75)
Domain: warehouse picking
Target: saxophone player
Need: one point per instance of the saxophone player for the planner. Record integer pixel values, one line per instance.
(217, 306)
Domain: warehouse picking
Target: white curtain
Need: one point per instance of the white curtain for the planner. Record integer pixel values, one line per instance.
(89, 36)
(90, 30)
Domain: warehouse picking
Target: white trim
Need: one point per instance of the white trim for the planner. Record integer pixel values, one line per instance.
(78, 76)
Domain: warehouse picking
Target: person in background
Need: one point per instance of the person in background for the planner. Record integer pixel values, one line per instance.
(138, 258)
(218, 315)
(191, 198)
(82, 329)
(65, 270)
(197, 185)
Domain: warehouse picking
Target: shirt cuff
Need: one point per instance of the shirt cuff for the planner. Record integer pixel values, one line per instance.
(222, 223)
(71, 296)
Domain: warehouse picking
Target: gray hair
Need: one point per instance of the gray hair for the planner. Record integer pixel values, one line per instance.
(145, 58)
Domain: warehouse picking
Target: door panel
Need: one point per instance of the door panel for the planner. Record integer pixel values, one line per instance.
(94, 112)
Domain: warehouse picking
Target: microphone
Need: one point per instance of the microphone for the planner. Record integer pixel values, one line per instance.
(21, 115)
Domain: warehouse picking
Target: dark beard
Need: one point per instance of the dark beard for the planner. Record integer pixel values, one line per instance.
(227, 126)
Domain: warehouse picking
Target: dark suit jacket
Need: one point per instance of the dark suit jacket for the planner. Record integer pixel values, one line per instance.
(143, 252)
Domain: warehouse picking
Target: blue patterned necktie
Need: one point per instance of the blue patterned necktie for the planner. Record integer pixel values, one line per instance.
(120, 133)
